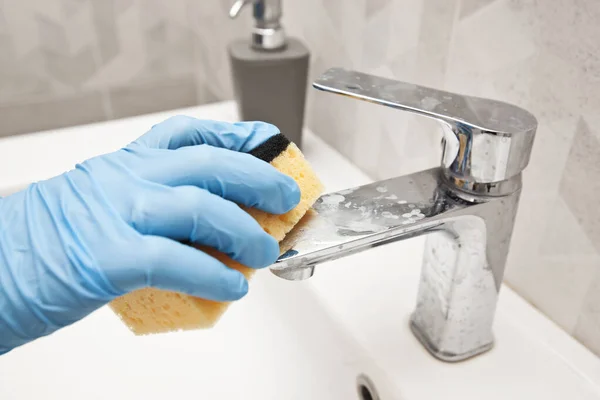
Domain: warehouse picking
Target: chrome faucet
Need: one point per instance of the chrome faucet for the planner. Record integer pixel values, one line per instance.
(467, 208)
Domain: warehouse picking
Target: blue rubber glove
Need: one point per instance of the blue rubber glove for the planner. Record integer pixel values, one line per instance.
(114, 224)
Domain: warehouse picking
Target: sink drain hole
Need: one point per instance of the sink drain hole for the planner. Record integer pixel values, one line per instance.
(365, 393)
(366, 388)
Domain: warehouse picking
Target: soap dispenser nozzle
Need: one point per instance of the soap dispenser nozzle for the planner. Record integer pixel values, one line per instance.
(267, 33)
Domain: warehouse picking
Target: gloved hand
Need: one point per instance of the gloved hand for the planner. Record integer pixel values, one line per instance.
(71, 244)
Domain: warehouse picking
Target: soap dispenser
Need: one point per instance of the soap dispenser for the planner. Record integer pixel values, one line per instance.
(270, 71)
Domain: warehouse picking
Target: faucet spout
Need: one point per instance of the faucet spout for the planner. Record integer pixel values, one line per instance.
(465, 252)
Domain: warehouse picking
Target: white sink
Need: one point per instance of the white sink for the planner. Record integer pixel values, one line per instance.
(285, 340)
(279, 343)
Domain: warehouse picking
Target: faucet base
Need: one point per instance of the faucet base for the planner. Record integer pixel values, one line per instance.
(443, 355)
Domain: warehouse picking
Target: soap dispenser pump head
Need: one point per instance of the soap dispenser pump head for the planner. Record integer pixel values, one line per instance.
(267, 33)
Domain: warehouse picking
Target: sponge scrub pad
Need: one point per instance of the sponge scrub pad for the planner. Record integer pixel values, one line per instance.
(151, 310)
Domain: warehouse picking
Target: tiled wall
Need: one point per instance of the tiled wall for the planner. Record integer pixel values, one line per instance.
(66, 62)
(72, 61)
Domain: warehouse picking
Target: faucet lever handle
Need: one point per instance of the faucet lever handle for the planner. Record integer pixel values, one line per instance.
(485, 140)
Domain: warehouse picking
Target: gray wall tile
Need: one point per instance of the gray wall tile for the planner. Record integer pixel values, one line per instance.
(104, 17)
(437, 25)
(374, 6)
(51, 36)
(143, 54)
(24, 77)
(152, 96)
(71, 7)
(3, 24)
(213, 31)
(567, 28)
(173, 49)
(468, 7)
(377, 38)
(204, 94)
(41, 114)
(69, 70)
(121, 5)
(588, 325)
(580, 184)
(553, 265)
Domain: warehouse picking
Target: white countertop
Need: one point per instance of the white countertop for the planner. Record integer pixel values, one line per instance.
(532, 357)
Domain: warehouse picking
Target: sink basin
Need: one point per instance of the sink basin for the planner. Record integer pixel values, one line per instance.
(277, 343)
(285, 340)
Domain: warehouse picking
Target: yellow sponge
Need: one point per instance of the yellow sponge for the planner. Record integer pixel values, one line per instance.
(152, 310)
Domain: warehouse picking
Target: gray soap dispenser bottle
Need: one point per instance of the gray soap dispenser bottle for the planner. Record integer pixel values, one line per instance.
(270, 71)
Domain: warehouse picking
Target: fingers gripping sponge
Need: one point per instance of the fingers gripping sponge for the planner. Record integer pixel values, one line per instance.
(151, 310)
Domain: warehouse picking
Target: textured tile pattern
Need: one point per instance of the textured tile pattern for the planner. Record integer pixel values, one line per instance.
(152, 96)
(76, 61)
(469, 7)
(118, 57)
(580, 184)
(80, 108)
(587, 329)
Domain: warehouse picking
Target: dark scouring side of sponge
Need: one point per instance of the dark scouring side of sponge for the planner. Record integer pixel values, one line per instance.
(270, 149)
